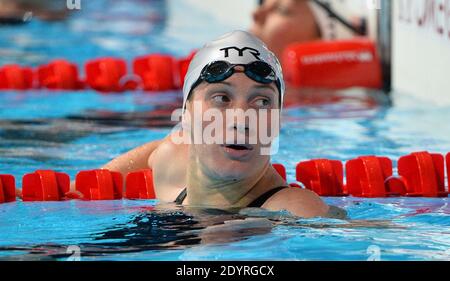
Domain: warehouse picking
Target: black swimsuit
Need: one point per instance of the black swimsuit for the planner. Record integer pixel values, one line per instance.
(258, 202)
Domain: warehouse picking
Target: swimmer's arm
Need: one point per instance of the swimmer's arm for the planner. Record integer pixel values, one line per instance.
(133, 160)
(299, 202)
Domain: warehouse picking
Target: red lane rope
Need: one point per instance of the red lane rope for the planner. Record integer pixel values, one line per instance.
(320, 64)
(155, 72)
(420, 174)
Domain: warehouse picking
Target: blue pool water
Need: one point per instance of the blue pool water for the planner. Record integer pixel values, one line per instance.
(73, 131)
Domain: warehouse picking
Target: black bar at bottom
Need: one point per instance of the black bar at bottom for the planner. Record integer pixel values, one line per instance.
(206, 270)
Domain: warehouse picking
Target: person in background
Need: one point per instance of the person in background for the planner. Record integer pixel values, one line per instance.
(19, 11)
(279, 23)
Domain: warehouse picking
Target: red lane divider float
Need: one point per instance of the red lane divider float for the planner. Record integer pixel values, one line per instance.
(7, 189)
(139, 185)
(420, 174)
(59, 74)
(333, 64)
(107, 75)
(323, 176)
(45, 185)
(15, 77)
(281, 170)
(99, 184)
(423, 173)
(366, 176)
(156, 72)
(447, 160)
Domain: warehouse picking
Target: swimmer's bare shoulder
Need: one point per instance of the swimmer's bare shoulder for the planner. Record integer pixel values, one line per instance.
(169, 165)
(133, 160)
(303, 203)
(142, 157)
(167, 150)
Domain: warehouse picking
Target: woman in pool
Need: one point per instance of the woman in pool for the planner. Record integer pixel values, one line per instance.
(234, 72)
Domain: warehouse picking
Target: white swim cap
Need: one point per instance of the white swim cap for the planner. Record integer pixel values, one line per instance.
(329, 26)
(236, 47)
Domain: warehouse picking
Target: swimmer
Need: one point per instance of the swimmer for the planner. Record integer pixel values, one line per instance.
(19, 11)
(279, 23)
(236, 71)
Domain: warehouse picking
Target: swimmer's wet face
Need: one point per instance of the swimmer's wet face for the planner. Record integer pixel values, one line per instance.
(231, 112)
(281, 22)
(236, 158)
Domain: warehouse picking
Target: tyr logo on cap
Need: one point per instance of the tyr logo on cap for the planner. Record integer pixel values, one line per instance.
(254, 52)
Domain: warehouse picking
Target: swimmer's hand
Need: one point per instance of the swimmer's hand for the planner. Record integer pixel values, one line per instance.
(235, 230)
(73, 193)
(336, 213)
(333, 213)
(18, 193)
